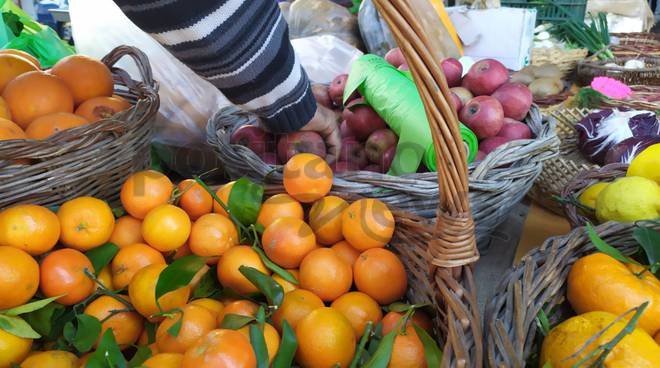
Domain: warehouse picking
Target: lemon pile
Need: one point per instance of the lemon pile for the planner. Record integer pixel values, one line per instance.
(634, 197)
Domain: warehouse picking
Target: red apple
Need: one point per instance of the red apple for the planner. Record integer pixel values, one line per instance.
(353, 152)
(485, 76)
(373, 168)
(343, 166)
(388, 157)
(321, 95)
(404, 67)
(361, 119)
(463, 93)
(254, 138)
(270, 158)
(336, 89)
(516, 99)
(488, 145)
(379, 142)
(395, 57)
(480, 156)
(483, 115)
(513, 130)
(456, 101)
(300, 142)
(453, 71)
(345, 131)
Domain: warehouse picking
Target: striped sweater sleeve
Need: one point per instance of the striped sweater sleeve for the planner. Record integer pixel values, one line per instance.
(240, 46)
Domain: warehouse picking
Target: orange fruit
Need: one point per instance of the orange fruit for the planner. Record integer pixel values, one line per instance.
(164, 360)
(166, 227)
(126, 326)
(279, 206)
(131, 259)
(19, 277)
(197, 322)
(195, 200)
(325, 274)
(51, 359)
(13, 349)
(307, 177)
(220, 349)
(228, 273)
(287, 286)
(367, 223)
(11, 66)
(359, 308)
(223, 193)
(22, 54)
(4, 110)
(239, 307)
(325, 219)
(420, 318)
(214, 306)
(9, 130)
(34, 229)
(85, 77)
(105, 278)
(287, 241)
(325, 339)
(63, 273)
(127, 231)
(85, 223)
(35, 94)
(296, 305)
(380, 274)
(45, 126)
(142, 293)
(144, 191)
(211, 235)
(99, 108)
(407, 351)
(270, 335)
(346, 252)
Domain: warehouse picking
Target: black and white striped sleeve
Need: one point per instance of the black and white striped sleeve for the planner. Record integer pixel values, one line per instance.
(241, 46)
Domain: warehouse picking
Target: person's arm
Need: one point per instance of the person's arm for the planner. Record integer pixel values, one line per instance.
(241, 46)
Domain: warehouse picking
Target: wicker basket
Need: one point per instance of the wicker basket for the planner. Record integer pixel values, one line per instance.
(91, 160)
(565, 59)
(587, 70)
(636, 44)
(538, 283)
(579, 216)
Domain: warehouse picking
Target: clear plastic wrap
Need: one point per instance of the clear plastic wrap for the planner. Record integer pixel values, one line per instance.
(376, 36)
(325, 57)
(321, 17)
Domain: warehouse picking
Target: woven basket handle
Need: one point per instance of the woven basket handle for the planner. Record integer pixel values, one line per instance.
(140, 59)
(410, 22)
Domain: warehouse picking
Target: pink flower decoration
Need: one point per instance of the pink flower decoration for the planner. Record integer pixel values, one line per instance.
(611, 88)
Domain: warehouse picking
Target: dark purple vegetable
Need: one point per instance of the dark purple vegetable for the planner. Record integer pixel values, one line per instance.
(598, 132)
(627, 149)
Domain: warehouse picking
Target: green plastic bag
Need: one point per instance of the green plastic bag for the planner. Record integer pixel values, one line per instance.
(19, 31)
(394, 96)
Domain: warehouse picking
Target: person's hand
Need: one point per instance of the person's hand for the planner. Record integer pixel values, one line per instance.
(326, 123)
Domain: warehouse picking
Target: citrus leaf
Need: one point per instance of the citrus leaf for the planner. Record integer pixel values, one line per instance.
(118, 211)
(271, 289)
(432, 352)
(288, 347)
(547, 365)
(141, 355)
(602, 246)
(245, 200)
(259, 346)
(43, 320)
(649, 239)
(17, 327)
(235, 321)
(208, 285)
(101, 256)
(178, 274)
(543, 322)
(363, 343)
(374, 341)
(399, 307)
(261, 316)
(30, 307)
(150, 327)
(176, 327)
(381, 357)
(108, 354)
(275, 268)
(84, 334)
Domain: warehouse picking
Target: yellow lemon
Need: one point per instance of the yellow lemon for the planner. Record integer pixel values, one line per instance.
(635, 350)
(589, 195)
(13, 349)
(646, 164)
(632, 198)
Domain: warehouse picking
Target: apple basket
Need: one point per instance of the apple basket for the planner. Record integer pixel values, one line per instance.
(496, 184)
(90, 160)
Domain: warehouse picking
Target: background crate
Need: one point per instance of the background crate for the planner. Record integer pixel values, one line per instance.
(551, 10)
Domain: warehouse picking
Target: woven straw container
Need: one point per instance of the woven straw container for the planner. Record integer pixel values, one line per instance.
(538, 283)
(565, 59)
(587, 70)
(636, 44)
(91, 160)
(439, 256)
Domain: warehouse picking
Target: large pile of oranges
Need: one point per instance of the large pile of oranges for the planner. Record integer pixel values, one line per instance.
(36, 104)
(181, 279)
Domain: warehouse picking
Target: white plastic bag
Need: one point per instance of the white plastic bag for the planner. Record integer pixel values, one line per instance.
(186, 100)
(325, 57)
